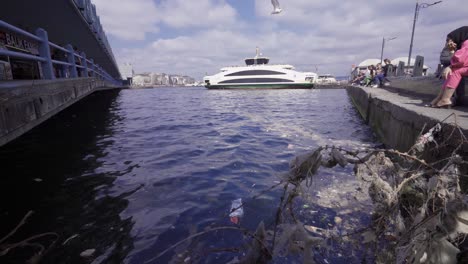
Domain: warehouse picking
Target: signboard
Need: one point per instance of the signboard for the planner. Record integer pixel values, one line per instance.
(12, 41)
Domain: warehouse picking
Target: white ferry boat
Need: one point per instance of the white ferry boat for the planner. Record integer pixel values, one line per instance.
(326, 79)
(258, 74)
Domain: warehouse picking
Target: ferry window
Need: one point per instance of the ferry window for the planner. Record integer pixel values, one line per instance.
(256, 80)
(250, 61)
(255, 72)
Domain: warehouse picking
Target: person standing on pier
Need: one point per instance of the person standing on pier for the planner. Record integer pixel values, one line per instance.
(458, 41)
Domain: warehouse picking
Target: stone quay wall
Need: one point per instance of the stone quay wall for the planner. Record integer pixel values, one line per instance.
(397, 119)
(26, 104)
(397, 127)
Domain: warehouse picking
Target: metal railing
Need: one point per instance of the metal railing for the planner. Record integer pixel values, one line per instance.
(86, 67)
(89, 14)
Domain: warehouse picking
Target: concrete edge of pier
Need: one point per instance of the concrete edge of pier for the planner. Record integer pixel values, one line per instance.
(26, 104)
(397, 117)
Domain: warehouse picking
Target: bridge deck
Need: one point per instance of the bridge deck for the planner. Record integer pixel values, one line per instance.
(64, 24)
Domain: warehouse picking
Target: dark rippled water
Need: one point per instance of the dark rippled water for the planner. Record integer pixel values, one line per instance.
(131, 172)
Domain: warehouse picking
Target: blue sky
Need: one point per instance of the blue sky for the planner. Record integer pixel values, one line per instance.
(195, 37)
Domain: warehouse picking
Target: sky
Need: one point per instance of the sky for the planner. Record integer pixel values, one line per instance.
(198, 37)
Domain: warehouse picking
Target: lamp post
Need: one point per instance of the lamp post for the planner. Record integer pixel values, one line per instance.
(383, 45)
(416, 13)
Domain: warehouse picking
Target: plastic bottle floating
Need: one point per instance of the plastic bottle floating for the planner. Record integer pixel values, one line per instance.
(236, 211)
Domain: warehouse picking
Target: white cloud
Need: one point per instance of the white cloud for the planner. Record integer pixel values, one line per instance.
(205, 35)
(200, 13)
(206, 51)
(133, 19)
(354, 29)
(128, 19)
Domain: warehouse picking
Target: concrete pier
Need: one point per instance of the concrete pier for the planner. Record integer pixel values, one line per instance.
(26, 104)
(398, 117)
(426, 87)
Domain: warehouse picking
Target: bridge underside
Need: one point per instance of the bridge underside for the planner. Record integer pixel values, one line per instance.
(64, 24)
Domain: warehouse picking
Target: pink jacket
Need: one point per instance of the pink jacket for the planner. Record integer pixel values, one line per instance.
(460, 57)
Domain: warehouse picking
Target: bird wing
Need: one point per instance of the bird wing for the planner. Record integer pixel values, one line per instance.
(275, 3)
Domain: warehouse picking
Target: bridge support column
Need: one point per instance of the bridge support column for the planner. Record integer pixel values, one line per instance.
(44, 52)
(71, 60)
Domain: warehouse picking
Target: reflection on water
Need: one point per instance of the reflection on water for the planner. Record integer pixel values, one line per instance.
(51, 171)
(135, 171)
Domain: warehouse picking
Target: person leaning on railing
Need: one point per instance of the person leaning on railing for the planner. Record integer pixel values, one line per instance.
(457, 41)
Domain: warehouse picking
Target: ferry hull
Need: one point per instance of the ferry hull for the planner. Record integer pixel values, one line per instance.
(262, 86)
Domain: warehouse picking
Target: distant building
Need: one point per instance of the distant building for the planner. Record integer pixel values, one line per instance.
(161, 79)
(126, 70)
(143, 79)
(364, 64)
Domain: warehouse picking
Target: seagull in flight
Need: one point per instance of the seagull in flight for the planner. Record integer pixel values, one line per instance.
(276, 7)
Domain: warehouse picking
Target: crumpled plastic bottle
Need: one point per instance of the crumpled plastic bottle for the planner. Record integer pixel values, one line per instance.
(236, 211)
(426, 138)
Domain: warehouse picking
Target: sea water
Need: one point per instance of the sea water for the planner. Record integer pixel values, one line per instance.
(130, 173)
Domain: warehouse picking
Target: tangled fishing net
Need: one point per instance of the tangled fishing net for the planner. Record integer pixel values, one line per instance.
(419, 211)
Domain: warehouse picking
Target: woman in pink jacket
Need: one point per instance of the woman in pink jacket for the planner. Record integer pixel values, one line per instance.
(457, 40)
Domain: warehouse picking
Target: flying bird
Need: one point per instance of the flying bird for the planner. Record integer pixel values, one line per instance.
(276, 7)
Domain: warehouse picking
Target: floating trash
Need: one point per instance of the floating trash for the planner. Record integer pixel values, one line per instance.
(87, 253)
(236, 211)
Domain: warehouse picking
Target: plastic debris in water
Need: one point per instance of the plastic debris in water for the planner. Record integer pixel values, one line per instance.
(87, 253)
(236, 211)
(428, 137)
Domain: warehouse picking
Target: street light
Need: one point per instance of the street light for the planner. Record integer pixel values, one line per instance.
(383, 45)
(416, 13)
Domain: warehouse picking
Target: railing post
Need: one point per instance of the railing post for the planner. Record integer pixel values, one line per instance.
(93, 74)
(98, 69)
(71, 60)
(84, 64)
(44, 52)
